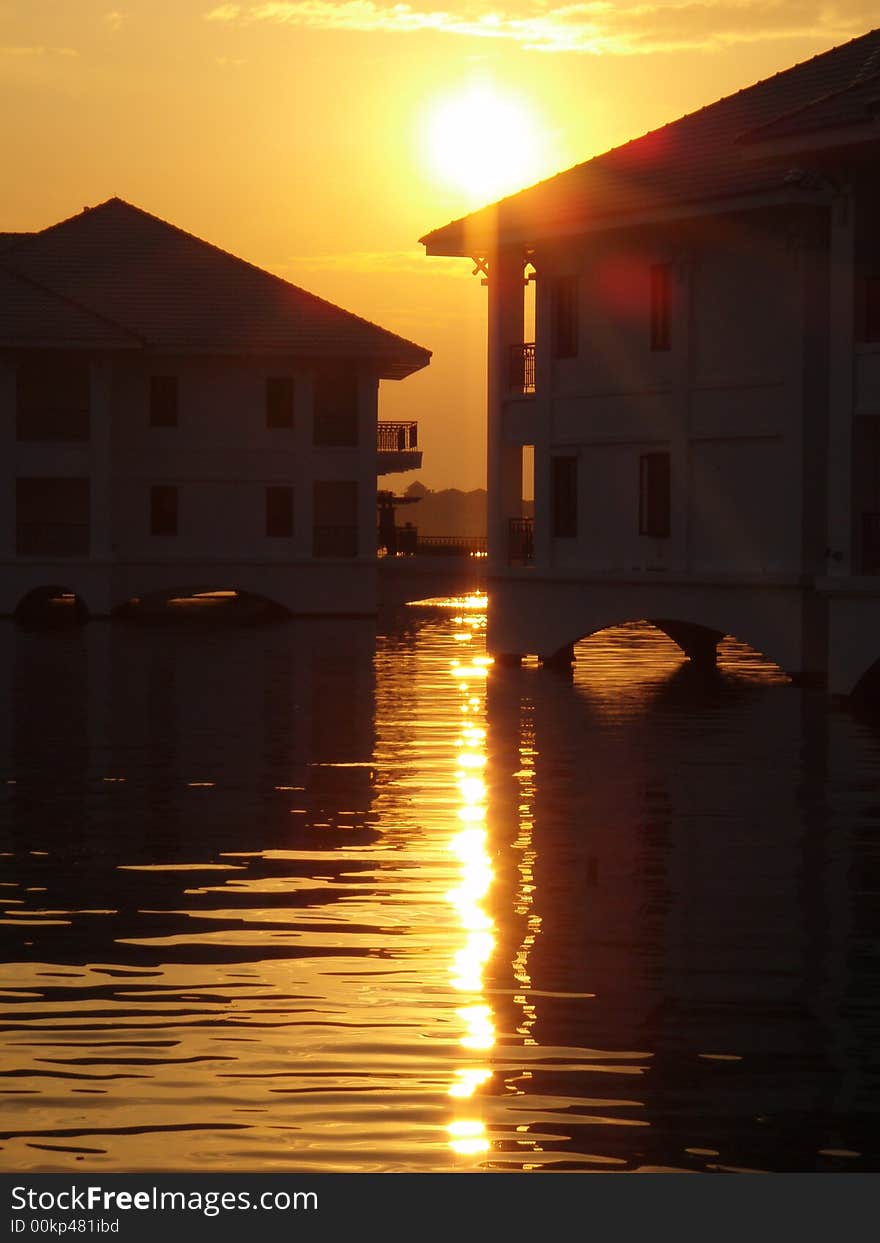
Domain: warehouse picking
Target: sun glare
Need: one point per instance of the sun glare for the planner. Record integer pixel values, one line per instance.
(485, 142)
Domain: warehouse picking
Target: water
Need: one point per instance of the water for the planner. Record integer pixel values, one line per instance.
(302, 897)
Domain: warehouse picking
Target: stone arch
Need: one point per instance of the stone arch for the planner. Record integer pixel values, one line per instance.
(697, 642)
(547, 618)
(51, 605)
(218, 602)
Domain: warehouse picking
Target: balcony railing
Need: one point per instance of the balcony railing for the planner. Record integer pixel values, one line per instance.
(410, 543)
(398, 447)
(397, 437)
(521, 377)
(521, 541)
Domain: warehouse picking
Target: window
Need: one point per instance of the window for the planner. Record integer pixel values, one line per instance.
(334, 510)
(52, 517)
(279, 511)
(163, 401)
(563, 492)
(336, 408)
(279, 401)
(661, 306)
(163, 510)
(565, 317)
(654, 495)
(52, 398)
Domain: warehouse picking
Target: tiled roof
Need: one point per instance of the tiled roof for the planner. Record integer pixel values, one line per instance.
(698, 158)
(177, 293)
(31, 316)
(858, 104)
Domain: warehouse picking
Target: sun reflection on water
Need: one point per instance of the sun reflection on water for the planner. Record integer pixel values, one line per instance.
(469, 846)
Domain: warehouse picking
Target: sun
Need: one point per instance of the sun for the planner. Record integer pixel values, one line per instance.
(485, 142)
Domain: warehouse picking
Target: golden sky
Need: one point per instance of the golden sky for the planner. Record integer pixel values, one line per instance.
(321, 138)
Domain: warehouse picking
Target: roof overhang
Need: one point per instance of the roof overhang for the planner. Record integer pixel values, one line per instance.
(460, 239)
(847, 138)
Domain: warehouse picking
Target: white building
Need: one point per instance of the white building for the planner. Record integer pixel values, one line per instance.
(173, 418)
(701, 392)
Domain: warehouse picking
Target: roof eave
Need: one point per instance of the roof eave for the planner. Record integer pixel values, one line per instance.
(448, 244)
(862, 134)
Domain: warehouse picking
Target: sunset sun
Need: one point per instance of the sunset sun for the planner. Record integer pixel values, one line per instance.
(484, 142)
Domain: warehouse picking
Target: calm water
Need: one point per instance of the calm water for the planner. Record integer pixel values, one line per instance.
(302, 897)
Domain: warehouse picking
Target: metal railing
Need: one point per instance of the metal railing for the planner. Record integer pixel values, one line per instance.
(521, 541)
(397, 437)
(521, 378)
(334, 541)
(409, 542)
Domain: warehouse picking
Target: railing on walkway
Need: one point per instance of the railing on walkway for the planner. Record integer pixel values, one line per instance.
(397, 437)
(521, 541)
(522, 368)
(410, 543)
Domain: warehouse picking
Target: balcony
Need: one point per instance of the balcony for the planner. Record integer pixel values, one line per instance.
(520, 541)
(521, 375)
(397, 446)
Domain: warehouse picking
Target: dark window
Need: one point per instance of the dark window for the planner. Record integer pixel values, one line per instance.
(163, 401)
(279, 511)
(654, 495)
(334, 510)
(661, 306)
(52, 398)
(163, 510)
(335, 413)
(565, 317)
(279, 401)
(564, 498)
(52, 517)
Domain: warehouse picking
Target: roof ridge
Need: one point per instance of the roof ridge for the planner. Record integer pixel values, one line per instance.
(115, 199)
(62, 297)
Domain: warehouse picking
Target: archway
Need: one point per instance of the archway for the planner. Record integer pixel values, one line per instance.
(51, 607)
(200, 605)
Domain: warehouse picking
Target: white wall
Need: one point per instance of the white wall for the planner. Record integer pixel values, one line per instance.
(726, 400)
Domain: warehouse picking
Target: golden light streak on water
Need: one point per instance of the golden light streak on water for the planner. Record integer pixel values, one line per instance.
(470, 847)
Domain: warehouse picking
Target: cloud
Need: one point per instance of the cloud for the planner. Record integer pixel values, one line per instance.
(114, 19)
(38, 49)
(594, 26)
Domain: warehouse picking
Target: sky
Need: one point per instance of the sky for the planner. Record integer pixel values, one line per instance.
(321, 138)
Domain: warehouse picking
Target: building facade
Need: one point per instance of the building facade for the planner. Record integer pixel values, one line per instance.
(174, 419)
(700, 394)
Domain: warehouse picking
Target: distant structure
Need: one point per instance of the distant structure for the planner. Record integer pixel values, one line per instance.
(175, 419)
(701, 395)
